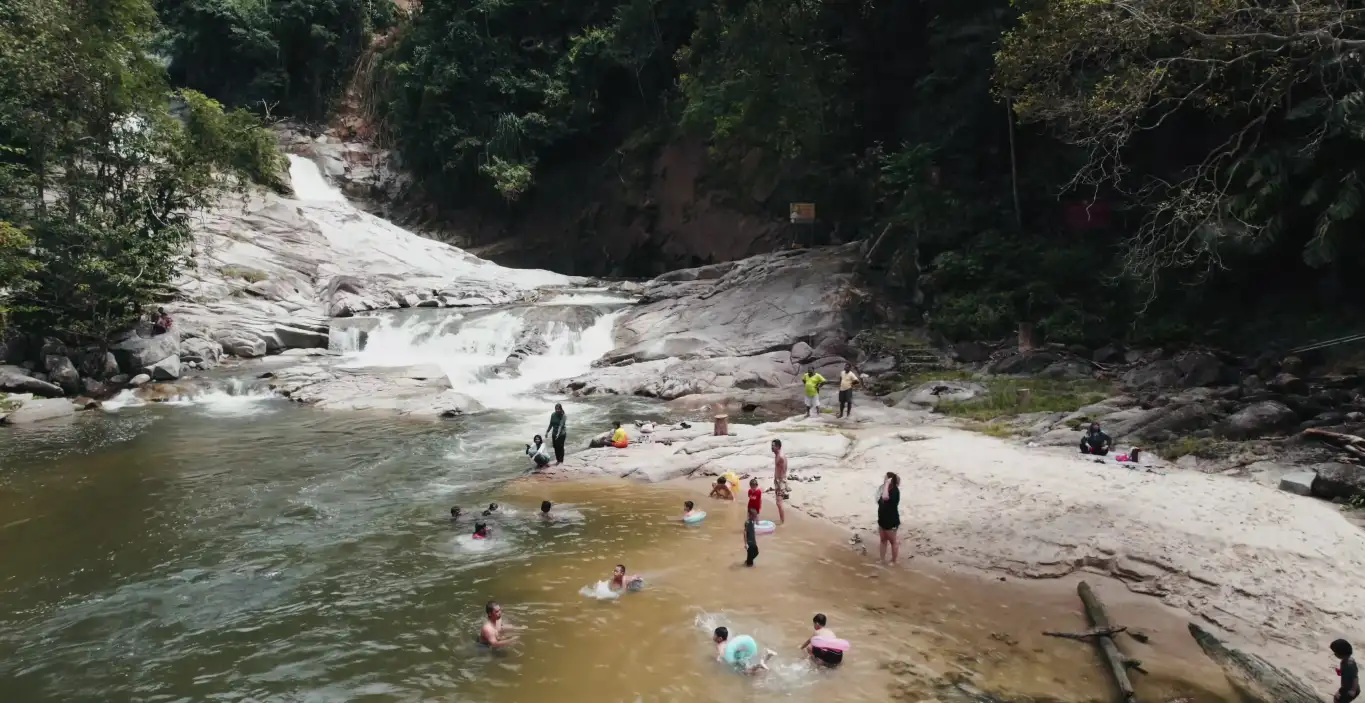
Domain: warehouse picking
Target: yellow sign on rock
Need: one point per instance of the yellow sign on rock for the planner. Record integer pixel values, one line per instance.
(803, 212)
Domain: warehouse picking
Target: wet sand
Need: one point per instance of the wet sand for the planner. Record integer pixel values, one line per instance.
(912, 629)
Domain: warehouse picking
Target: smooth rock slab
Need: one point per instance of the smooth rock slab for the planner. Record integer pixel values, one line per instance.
(14, 379)
(40, 411)
(1298, 482)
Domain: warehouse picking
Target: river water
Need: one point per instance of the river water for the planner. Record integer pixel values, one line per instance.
(232, 546)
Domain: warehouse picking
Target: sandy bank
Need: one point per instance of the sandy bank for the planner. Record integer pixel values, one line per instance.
(1280, 574)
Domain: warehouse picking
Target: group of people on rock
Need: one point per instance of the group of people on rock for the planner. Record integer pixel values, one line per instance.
(812, 382)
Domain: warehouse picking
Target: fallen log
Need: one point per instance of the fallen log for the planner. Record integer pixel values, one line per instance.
(1349, 439)
(1085, 636)
(1099, 619)
(1256, 679)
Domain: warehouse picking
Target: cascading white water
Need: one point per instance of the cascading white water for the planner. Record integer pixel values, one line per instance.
(309, 183)
(470, 350)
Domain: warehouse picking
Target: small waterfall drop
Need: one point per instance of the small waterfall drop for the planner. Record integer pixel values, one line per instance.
(309, 183)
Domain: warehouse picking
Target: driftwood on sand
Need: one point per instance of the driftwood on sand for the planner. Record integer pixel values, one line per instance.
(1255, 678)
(1118, 663)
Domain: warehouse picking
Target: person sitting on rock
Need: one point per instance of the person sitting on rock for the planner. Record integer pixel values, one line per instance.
(1096, 441)
(162, 322)
(539, 452)
(618, 437)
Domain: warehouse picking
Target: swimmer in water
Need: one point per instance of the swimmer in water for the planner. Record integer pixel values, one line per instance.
(689, 508)
(827, 657)
(740, 652)
(480, 530)
(545, 506)
(619, 579)
(492, 508)
(455, 514)
(721, 490)
(491, 633)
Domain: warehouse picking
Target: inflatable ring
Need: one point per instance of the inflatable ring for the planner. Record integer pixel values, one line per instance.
(695, 517)
(765, 527)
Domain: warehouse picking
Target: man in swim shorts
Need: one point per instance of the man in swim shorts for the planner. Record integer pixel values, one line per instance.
(491, 633)
(740, 652)
(827, 657)
(779, 478)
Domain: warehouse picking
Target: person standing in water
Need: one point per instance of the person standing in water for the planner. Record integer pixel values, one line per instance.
(779, 478)
(491, 633)
(889, 515)
(750, 538)
(755, 497)
(828, 657)
(812, 382)
(847, 380)
(1349, 672)
(558, 432)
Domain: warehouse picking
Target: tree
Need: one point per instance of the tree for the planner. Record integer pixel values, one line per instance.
(1227, 124)
(101, 179)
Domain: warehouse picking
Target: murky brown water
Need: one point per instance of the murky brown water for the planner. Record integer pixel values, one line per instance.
(274, 553)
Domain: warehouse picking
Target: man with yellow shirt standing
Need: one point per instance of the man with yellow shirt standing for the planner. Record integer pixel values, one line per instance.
(812, 381)
(847, 380)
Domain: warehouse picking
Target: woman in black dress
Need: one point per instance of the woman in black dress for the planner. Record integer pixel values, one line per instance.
(889, 515)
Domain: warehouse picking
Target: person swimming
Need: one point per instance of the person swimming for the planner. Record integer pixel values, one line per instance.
(480, 530)
(545, 506)
(455, 514)
(740, 652)
(689, 509)
(490, 635)
(722, 490)
(492, 507)
(619, 580)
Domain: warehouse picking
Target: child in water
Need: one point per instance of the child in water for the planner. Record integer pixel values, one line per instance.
(689, 509)
(480, 530)
(740, 652)
(750, 538)
(619, 580)
(545, 506)
(755, 497)
(721, 490)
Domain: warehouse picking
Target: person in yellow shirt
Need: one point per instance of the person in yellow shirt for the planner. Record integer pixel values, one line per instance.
(812, 381)
(847, 380)
(618, 437)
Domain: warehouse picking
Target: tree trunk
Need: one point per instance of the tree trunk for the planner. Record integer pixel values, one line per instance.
(722, 426)
(1099, 619)
(1255, 678)
(1026, 337)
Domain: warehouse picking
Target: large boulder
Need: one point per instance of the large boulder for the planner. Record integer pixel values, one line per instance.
(243, 346)
(167, 369)
(204, 351)
(1338, 481)
(971, 352)
(63, 373)
(14, 379)
(1202, 368)
(40, 410)
(296, 338)
(136, 353)
(1257, 419)
(1158, 374)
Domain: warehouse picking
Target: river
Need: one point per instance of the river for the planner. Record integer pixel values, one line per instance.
(230, 545)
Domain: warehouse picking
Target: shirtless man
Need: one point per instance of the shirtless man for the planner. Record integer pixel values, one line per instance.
(619, 579)
(779, 478)
(491, 634)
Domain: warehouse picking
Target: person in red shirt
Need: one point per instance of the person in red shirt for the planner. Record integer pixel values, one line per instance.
(755, 496)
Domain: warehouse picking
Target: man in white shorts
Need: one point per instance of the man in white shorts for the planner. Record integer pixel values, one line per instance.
(812, 382)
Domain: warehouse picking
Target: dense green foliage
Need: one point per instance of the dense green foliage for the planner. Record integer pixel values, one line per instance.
(282, 56)
(1101, 167)
(98, 177)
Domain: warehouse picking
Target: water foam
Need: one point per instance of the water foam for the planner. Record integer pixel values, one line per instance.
(469, 350)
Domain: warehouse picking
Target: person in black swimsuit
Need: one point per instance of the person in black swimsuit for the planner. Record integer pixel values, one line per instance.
(889, 515)
(1350, 673)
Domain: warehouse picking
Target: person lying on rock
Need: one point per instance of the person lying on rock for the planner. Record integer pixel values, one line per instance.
(1096, 441)
(539, 452)
(722, 490)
